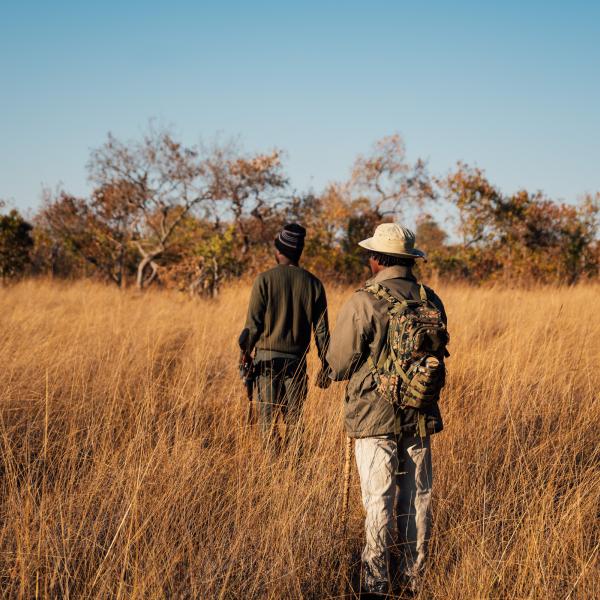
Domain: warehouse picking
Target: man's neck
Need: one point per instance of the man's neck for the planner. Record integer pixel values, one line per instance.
(288, 263)
(394, 271)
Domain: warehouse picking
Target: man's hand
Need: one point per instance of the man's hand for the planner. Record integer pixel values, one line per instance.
(323, 380)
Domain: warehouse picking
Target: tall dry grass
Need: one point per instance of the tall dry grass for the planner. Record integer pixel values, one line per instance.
(127, 471)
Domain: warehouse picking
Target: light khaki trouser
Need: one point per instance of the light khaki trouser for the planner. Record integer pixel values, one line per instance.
(395, 480)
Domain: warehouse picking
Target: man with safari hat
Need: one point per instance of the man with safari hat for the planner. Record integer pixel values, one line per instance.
(390, 343)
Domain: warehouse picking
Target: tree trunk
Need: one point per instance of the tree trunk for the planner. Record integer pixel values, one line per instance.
(147, 261)
(154, 273)
(122, 277)
(140, 271)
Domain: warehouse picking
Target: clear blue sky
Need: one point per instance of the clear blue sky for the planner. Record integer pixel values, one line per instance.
(513, 87)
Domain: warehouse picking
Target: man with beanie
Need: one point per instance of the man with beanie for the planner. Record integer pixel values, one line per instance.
(287, 304)
(392, 441)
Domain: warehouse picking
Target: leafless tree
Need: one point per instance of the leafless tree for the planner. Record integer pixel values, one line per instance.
(389, 181)
(246, 185)
(165, 184)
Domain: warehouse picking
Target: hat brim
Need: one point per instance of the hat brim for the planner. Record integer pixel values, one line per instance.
(392, 250)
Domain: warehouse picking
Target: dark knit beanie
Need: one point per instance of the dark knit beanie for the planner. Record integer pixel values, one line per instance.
(290, 241)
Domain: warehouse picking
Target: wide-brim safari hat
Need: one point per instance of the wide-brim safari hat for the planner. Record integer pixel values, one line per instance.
(393, 239)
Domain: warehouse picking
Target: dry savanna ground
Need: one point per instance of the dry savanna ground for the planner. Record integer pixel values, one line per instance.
(128, 472)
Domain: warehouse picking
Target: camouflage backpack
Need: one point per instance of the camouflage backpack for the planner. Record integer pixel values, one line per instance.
(410, 369)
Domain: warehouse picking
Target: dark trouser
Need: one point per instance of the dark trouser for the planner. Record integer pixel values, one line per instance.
(282, 388)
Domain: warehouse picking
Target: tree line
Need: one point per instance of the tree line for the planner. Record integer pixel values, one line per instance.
(192, 217)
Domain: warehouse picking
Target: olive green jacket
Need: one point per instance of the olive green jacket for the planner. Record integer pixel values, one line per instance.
(360, 331)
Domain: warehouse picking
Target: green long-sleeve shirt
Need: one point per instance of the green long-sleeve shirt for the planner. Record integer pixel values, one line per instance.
(287, 303)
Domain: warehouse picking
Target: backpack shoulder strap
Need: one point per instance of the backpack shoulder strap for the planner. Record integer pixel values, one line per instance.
(398, 304)
(381, 292)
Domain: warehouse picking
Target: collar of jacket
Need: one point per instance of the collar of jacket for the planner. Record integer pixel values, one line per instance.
(395, 272)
